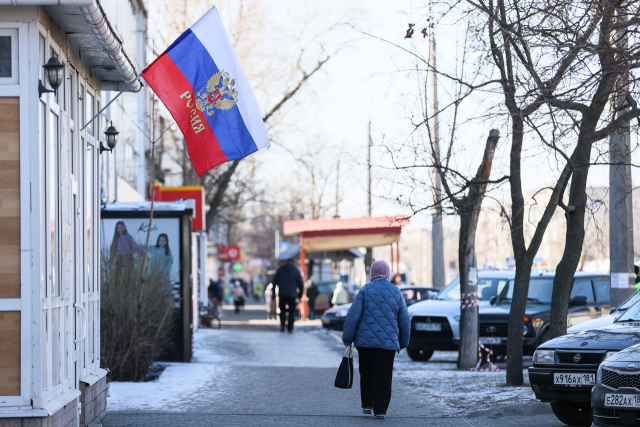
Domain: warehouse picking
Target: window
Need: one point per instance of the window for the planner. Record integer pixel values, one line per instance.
(583, 288)
(52, 204)
(90, 113)
(602, 289)
(89, 209)
(5, 56)
(81, 107)
(9, 56)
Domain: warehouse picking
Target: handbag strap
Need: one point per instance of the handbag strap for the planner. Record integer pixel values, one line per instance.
(348, 351)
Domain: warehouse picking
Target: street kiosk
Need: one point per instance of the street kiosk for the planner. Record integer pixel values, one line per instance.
(173, 220)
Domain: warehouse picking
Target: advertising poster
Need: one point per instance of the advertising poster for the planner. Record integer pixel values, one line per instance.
(127, 236)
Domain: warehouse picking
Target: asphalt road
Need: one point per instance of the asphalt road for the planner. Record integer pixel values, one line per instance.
(248, 373)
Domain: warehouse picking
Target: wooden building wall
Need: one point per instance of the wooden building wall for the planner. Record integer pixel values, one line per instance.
(9, 244)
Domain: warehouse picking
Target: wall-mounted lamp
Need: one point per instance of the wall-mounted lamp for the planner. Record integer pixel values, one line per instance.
(54, 73)
(112, 139)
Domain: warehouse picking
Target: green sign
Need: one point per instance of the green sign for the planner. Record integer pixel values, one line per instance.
(237, 266)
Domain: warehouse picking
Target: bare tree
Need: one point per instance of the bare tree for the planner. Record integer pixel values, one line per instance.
(557, 70)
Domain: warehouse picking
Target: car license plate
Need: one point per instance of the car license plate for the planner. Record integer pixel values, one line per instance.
(622, 400)
(437, 327)
(574, 380)
(490, 340)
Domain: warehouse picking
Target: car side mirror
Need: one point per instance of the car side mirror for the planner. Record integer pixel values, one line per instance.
(578, 300)
(493, 299)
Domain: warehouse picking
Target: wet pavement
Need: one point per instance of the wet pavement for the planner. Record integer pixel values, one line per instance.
(248, 373)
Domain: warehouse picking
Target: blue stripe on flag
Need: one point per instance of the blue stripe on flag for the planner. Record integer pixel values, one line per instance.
(193, 60)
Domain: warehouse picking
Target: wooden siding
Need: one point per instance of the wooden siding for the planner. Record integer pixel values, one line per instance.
(9, 198)
(9, 353)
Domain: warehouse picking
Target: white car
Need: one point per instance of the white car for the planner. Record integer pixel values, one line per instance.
(435, 324)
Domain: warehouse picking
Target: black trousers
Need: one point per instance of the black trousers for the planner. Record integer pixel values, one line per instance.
(376, 371)
(287, 307)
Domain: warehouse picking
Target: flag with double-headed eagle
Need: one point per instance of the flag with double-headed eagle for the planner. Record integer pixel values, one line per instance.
(200, 81)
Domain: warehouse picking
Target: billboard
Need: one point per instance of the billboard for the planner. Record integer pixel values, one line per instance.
(125, 236)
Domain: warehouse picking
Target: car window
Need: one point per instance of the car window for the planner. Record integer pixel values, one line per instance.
(630, 301)
(487, 287)
(602, 289)
(408, 294)
(583, 288)
(451, 291)
(631, 314)
(540, 289)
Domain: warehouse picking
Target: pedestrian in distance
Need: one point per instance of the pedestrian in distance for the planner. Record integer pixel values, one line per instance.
(312, 293)
(270, 302)
(340, 295)
(290, 287)
(239, 296)
(378, 323)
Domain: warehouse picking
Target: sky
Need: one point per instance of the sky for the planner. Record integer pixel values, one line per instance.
(366, 81)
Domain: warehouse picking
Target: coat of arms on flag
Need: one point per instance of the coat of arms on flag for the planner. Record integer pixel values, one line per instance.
(201, 82)
(218, 93)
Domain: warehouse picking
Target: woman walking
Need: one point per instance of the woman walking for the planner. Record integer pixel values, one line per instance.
(378, 322)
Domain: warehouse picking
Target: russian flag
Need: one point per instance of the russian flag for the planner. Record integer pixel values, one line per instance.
(200, 81)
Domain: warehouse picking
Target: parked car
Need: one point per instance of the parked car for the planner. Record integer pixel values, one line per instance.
(564, 369)
(605, 320)
(334, 318)
(615, 399)
(435, 323)
(325, 293)
(589, 299)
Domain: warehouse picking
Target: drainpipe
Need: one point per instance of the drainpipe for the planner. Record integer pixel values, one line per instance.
(95, 16)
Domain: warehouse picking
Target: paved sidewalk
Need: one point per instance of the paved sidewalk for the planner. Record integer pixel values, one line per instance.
(254, 375)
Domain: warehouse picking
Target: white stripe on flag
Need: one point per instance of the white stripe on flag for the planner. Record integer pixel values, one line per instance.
(212, 35)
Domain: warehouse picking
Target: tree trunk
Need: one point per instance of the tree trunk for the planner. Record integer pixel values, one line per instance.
(468, 351)
(516, 320)
(469, 210)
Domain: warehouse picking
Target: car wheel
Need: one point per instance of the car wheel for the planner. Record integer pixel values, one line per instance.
(573, 414)
(419, 354)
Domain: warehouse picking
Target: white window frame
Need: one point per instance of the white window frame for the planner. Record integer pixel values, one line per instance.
(15, 57)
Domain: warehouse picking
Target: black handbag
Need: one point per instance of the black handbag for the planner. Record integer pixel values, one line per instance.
(344, 377)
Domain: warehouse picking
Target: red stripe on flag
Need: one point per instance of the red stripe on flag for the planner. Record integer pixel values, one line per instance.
(176, 93)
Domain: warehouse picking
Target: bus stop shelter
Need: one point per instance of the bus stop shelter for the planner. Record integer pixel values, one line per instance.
(318, 235)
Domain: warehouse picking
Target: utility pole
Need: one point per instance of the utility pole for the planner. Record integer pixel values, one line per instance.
(337, 188)
(368, 259)
(620, 199)
(437, 235)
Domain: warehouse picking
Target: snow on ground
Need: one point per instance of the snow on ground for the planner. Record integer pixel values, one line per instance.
(179, 381)
(463, 392)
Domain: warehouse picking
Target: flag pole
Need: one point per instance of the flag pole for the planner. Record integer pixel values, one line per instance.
(110, 102)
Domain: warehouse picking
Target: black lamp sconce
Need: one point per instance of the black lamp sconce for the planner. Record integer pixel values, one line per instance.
(54, 73)
(112, 139)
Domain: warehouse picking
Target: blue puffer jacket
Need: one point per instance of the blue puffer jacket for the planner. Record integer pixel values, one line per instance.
(378, 317)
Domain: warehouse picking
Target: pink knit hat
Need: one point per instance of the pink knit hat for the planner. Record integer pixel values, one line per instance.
(380, 268)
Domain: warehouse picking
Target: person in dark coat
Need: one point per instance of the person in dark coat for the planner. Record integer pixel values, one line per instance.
(312, 293)
(290, 287)
(378, 323)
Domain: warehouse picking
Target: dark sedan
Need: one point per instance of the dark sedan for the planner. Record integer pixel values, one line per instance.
(564, 369)
(615, 399)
